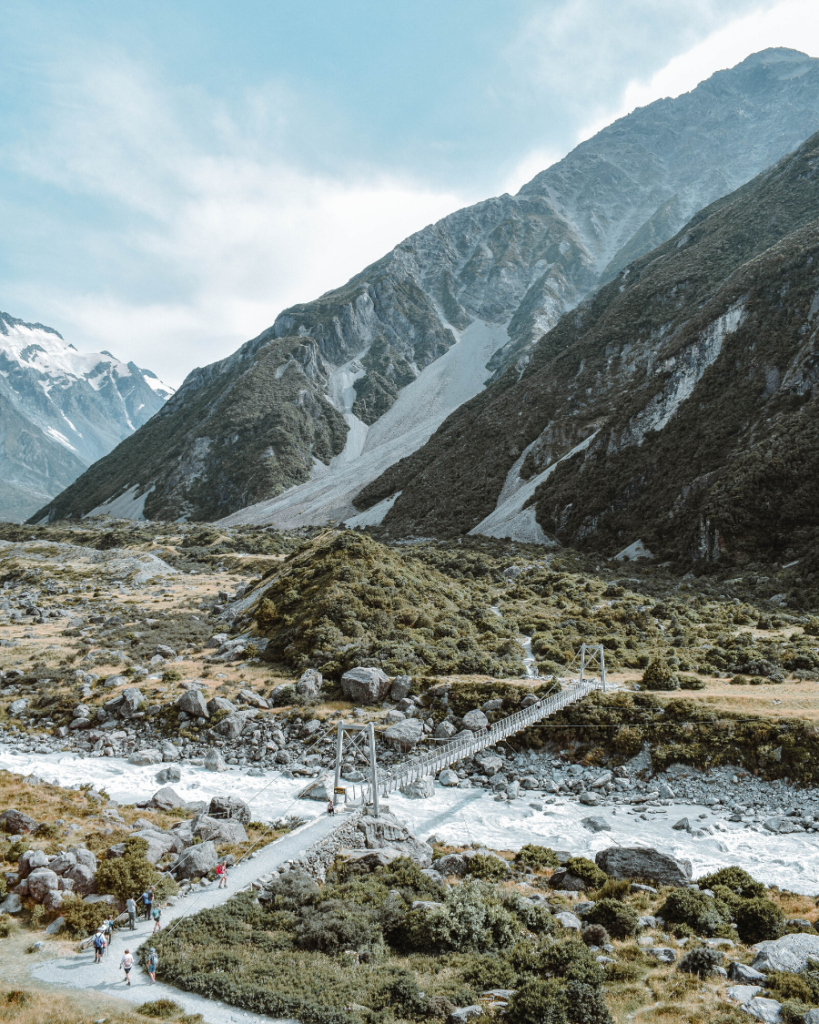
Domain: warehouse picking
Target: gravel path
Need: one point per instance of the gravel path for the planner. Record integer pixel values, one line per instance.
(80, 971)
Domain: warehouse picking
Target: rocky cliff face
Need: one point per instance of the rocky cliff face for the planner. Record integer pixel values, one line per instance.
(512, 265)
(676, 406)
(61, 410)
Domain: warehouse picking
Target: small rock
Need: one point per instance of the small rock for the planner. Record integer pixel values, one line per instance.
(213, 761)
(419, 789)
(144, 757)
(172, 774)
(475, 721)
(448, 777)
(767, 1010)
(744, 974)
(401, 687)
(663, 953)
(569, 921)
(743, 993)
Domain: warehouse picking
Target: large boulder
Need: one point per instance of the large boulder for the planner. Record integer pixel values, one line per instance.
(196, 861)
(85, 857)
(309, 683)
(63, 861)
(387, 830)
(194, 704)
(12, 904)
(220, 704)
(452, 864)
(401, 687)
(172, 774)
(365, 685)
(30, 861)
(147, 756)
(220, 830)
(166, 799)
(404, 735)
(475, 721)
(159, 844)
(41, 881)
(320, 789)
(214, 762)
(229, 807)
(419, 789)
(15, 822)
(82, 877)
(233, 726)
(125, 703)
(790, 953)
(644, 862)
(448, 777)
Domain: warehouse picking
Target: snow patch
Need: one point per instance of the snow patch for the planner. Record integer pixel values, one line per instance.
(421, 407)
(633, 552)
(127, 506)
(510, 518)
(373, 516)
(60, 438)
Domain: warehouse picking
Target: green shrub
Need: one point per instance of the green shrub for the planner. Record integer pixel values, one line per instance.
(488, 971)
(399, 990)
(537, 857)
(617, 918)
(488, 868)
(614, 888)
(538, 1001)
(595, 935)
(735, 879)
(587, 871)
(695, 909)
(333, 925)
(700, 961)
(788, 985)
(132, 873)
(691, 683)
(658, 676)
(758, 920)
(622, 971)
(161, 1009)
(738, 681)
(82, 919)
(793, 1011)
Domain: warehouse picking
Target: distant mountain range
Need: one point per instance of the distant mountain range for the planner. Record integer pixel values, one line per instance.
(60, 411)
(369, 404)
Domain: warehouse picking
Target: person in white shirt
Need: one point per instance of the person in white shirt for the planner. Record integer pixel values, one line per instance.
(126, 963)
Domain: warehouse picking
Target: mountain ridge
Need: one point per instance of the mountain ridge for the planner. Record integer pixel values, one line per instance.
(510, 263)
(61, 410)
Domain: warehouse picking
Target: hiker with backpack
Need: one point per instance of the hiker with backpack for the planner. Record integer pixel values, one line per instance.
(130, 906)
(148, 902)
(156, 913)
(153, 963)
(221, 874)
(99, 945)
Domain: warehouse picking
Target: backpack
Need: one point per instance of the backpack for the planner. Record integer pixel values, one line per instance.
(155, 913)
(99, 941)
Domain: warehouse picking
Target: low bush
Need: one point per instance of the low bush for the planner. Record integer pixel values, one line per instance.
(5, 926)
(595, 935)
(537, 857)
(488, 868)
(587, 871)
(488, 971)
(735, 879)
(82, 919)
(689, 907)
(160, 1009)
(784, 985)
(758, 920)
(333, 925)
(700, 961)
(132, 873)
(658, 676)
(619, 920)
(614, 888)
(792, 1011)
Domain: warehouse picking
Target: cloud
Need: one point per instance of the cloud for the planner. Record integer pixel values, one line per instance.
(790, 23)
(221, 227)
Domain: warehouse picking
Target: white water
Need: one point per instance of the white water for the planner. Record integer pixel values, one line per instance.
(463, 816)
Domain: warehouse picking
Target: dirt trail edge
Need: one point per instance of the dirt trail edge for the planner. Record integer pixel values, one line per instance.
(80, 971)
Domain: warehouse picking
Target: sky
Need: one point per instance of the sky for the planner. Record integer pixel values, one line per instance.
(173, 175)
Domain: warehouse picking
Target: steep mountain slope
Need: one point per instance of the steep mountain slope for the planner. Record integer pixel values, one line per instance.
(60, 411)
(503, 271)
(676, 406)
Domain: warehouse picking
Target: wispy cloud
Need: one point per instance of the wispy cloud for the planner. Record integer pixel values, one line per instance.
(214, 213)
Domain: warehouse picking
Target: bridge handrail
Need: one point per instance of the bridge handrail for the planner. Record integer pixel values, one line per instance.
(458, 748)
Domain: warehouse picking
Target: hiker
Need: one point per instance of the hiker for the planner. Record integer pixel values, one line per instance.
(130, 906)
(108, 928)
(99, 945)
(156, 913)
(126, 963)
(221, 874)
(153, 963)
(331, 807)
(147, 903)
